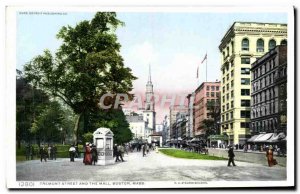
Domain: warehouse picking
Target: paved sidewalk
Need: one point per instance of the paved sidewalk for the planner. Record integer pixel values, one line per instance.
(153, 167)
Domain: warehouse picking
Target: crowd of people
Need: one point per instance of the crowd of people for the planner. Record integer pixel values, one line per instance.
(90, 154)
(48, 153)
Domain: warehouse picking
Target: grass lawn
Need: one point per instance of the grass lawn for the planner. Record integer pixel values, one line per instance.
(188, 155)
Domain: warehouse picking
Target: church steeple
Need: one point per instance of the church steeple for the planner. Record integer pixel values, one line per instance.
(149, 93)
(149, 76)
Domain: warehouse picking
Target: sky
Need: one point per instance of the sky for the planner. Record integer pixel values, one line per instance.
(174, 44)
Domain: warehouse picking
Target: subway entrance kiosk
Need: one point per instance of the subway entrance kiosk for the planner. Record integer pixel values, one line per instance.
(103, 139)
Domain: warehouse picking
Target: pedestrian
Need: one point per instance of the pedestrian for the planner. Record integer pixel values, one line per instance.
(119, 153)
(27, 151)
(88, 155)
(269, 155)
(122, 150)
(31, 152)
(115, 150)
(231, 156)
(72, 151)
(147, 148)
(94, 154)
(43, 153)
(54, 150)
(127, 148)
(144, 150)
(156, 149)
(49, 151)
(245, 148)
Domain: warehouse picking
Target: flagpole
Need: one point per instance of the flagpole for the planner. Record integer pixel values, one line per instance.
(206, 66)
(198, 76)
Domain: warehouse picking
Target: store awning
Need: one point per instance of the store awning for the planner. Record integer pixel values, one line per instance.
(284, 139)
(277, 138)
(264, 137)
(252, 138)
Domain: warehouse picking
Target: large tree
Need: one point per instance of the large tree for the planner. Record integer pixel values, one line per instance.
(87, 65)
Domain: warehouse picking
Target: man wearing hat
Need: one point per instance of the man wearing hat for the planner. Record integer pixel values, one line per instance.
(231, 156)
(94, 154)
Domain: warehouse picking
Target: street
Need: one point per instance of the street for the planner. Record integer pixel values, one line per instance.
(153, 167)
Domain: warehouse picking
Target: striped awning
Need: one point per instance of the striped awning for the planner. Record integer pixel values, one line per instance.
(252, 138)
(263, 137)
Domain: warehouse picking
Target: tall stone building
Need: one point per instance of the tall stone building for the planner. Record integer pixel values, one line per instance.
(243, 44)
(190, 116)
(207, 92)
(268, 95)
(175, 110)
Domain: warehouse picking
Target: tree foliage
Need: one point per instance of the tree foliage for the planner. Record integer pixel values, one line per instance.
(212, 124)
(30, 102)
(113, 119)
(48, 125)
(87, 65)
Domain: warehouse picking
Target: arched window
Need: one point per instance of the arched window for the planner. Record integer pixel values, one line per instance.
(260, 45)
(283, 42)
(272, 44)
(232, 47)
(245, 44)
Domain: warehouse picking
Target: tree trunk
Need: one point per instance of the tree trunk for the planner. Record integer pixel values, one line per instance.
(76, 127)
(18, 143)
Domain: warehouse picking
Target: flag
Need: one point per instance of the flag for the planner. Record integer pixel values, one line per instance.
(205, 57)
(197, 71)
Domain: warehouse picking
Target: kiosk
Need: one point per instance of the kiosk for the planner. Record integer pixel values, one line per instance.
(103, 139)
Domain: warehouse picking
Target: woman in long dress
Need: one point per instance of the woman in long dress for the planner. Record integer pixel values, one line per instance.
(88, 155)
(271, 160)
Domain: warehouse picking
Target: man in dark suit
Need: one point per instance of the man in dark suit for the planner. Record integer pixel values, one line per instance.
(231, 156)
(43, 153)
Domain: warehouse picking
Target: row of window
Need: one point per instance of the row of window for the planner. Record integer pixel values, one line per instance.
(244, 71)
(227, 96)
(243, 114)
(265, 81)
(244, 103)
(268, 66)
(225, 55)
(212, 88)
(227, 86)
(212, 94)
(244, 92)
(260, 44)
(226, 116)
(227, 76)
(265, 125)
(265, 95)
(265, 110)
(242, 125)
